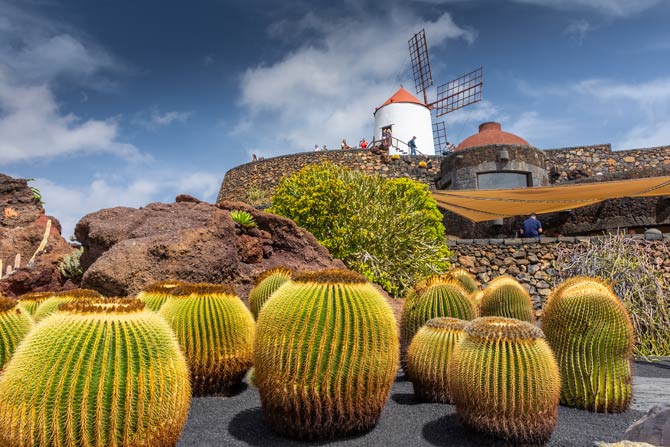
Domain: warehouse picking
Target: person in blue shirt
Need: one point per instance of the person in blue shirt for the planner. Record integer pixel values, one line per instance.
(532, 227)
(412, 146)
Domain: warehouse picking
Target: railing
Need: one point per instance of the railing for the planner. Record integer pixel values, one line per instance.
(397, 146)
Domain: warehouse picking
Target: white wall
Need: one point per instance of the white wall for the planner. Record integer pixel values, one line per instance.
(408, 119)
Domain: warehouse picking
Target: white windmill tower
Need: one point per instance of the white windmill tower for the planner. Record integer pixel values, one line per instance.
(404, 116)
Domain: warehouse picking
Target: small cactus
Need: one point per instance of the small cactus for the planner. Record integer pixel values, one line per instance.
(155, 295)
(216, 331)
(50, 305)
(15, 322)
(325, 356)
(98, 373)
(437, 296)
(428, 356)
(506, 297)
(592, 335)
(31, 301)
(466, 279)
(266, 284)
(243, 218)
(505, 381)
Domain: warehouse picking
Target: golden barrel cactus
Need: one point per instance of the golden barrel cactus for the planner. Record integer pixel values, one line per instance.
(266, 284)
(466, 279)
(592, 335)
(98, 373)
(51, 304)
(325, 356)
(437, 296)
(428, 357)
(32, 300)
(15, 322)
(506, 297)
(216, 331)
(155, 295)
(505, 381)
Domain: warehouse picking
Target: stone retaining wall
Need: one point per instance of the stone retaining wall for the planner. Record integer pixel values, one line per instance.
(266, 174)
(531, 262)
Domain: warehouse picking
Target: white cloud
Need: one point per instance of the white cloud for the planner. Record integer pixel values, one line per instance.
(327, 89)
(613, 8)
(578, 29)
(69, 204)
(532, 127)
(154, 118)
(653, 91)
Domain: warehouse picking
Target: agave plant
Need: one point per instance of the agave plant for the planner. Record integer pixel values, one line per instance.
(243, 218)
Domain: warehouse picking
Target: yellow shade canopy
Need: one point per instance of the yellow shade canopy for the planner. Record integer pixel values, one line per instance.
(480, 205)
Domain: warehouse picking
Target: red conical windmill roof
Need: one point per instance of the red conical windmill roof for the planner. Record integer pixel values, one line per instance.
(402, 95)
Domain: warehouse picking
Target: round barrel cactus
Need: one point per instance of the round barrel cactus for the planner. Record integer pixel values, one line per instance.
(592, 335)
(32, 300)
(155, 295)
(437, 296)
(51, 304)
(266, 284)
(325, 356)
(466, 279)
(428, 357)
(506, 297)
(505, 381)
(15, 322)
(98, 373)
(216, 331)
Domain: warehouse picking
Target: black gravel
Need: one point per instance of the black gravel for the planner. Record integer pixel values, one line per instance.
(657, 367)
(238, 421)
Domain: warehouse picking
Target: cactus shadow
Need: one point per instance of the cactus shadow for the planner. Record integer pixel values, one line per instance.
(448, 431)
(405, 399)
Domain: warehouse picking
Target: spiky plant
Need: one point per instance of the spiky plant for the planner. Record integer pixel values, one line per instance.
(506, 297)
(428, 356)
(266, 284)
(216, 331)
(592, 335)
(466, 279)
(326, 355)
(15, 322)
(505, 381)
(154, 295)
(98, 373)
(243, 218)
(436, 296)
(32, 300)
(51, 304)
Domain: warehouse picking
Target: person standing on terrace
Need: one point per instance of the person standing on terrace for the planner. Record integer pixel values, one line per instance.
(532, 227)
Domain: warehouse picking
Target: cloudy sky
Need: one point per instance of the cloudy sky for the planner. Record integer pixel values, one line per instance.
(125, 102)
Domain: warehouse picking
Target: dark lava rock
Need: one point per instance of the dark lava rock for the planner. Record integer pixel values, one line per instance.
(654, 428)
(127, 248)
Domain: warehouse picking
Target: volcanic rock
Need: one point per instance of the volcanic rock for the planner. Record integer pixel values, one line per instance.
(127, 248)
(654, 428)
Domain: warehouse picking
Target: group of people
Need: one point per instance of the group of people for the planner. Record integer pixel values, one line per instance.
(363, 144)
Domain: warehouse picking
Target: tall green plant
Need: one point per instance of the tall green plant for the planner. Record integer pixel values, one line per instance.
(389, 230)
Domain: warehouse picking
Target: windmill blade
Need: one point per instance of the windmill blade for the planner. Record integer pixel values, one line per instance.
(418, 52)
(459, 92)
(440, 137)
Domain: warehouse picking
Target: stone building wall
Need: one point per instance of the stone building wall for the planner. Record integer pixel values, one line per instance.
(266, 174)
(531, 262)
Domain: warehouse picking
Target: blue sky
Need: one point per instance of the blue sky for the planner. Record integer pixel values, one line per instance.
(125, 103)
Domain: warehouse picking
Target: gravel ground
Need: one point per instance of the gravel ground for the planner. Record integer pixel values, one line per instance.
(657, 367)
(238, 421)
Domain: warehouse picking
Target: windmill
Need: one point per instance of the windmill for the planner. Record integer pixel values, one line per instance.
(451, 96)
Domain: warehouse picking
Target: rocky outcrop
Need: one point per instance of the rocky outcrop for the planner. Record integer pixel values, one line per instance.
(22, 227)
(653, 428)
(127, 248)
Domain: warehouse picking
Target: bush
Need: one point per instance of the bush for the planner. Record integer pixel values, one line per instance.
(637, 282)
(389, 230)
(243, 218)
(69, 267)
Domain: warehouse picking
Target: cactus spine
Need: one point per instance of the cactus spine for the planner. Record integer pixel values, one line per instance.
(31, 301)
(155, 295)
(50, 305)
(505, 381)
(267, 284)
(326, 355)
(103, 373)
(437, 296)
(15, 322)
(216, 331)
(592, 335)
(506, 297)
(428, 356)
(468, 281)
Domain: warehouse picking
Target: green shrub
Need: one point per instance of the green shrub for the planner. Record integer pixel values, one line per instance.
(636, 280)
(389, 230)
(243, 218)
(70, 267)
(257, 196)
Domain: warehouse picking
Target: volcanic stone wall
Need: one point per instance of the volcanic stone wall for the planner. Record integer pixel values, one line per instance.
(265, 175)
(532, 262)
